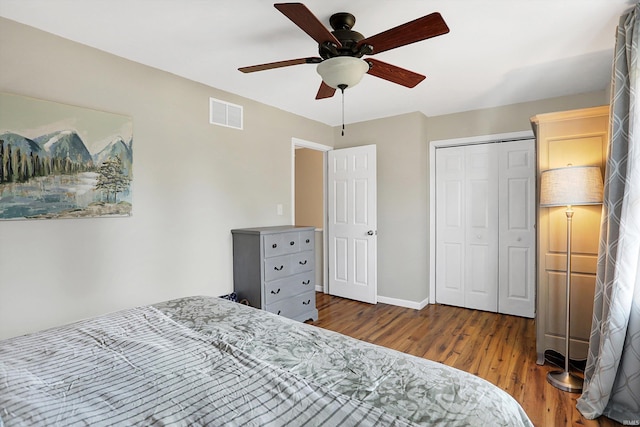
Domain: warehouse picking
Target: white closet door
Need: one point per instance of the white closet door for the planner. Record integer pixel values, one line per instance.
(517, 232)
(481, 227)
(485, 235)
(450, 226)
(467, 226)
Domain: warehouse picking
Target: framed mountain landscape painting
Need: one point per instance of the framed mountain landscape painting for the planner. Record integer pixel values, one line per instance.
(63, 161)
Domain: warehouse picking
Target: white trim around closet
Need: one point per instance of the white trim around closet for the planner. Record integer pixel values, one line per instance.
(483, 139)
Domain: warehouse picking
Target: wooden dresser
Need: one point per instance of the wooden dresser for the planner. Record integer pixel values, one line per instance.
(274, 269)
(578, 137)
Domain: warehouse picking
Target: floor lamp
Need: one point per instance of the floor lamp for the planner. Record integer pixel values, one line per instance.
(577, 185)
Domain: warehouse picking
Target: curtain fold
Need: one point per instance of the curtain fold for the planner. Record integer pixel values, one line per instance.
(612, 373)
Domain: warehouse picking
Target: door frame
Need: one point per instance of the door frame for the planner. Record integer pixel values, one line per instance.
(301, 143)
(433, 145)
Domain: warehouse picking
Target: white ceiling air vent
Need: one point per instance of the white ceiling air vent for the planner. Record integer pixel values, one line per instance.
(225, 114)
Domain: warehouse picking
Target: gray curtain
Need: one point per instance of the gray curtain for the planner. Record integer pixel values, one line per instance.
(612, 374)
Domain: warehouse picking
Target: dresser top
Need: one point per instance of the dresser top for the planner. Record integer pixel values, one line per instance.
(271, 230)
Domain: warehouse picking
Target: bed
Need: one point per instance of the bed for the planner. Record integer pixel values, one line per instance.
(206, 361)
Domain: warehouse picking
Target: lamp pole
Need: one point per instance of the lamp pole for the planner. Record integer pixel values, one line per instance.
(564, 380)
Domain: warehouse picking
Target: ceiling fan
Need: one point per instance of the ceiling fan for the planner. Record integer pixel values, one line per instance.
(340, 62)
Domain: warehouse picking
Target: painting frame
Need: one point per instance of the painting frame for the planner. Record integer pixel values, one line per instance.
(63, 161)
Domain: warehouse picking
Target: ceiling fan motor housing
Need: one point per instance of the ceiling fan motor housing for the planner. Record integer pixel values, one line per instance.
(342, 23)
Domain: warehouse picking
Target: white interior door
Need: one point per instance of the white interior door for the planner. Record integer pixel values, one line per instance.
(466, 227)
(481, 227)
(450, 227)
(517, 228)
(485, 235)
(352, 223)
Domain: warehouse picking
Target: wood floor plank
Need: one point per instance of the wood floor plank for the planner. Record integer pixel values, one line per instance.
(496, 347)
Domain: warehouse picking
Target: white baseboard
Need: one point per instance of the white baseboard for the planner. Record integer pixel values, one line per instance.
(394, 301)
(404, 303)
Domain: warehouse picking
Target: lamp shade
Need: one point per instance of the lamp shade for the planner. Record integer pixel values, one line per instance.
(572, 185)
(342, 70)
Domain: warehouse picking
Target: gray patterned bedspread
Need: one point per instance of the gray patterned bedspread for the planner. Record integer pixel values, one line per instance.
(206, 361)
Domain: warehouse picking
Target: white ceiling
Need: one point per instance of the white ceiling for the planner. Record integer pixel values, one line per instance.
(498, 52)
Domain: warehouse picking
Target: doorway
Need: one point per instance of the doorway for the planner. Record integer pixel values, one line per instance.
(308, 190)
(358, 179)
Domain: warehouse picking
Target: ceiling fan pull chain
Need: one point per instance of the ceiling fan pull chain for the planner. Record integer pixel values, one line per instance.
(342, 112)
(342, 88)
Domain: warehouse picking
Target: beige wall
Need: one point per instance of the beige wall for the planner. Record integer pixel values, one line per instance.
(509, 118)
(309, 187)
(401, 144)
(193, 183)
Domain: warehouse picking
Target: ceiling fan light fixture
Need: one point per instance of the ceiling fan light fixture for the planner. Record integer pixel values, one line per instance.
(345, 71)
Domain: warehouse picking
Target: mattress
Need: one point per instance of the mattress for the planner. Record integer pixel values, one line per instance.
(200, 361)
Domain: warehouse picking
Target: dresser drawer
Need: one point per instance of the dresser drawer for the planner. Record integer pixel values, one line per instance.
(307, 240)
(277, 267)
(277, 290)
(292, 307)
(304, 261)
(287, 265)
(281, 244)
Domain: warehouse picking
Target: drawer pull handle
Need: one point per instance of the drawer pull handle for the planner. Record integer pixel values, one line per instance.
(279, 311)
(292, 243)
(278, 269)
(307, 241)
(306, 303)
(306, 282)
(302, 262)
(275, 292)
(275, 245)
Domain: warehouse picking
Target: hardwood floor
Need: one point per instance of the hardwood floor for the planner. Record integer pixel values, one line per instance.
(496, 347)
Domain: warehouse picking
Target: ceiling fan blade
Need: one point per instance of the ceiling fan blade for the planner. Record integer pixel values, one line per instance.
(280, 64)
(307, 21)
(325, 91)
(394, 74)
(428, 26)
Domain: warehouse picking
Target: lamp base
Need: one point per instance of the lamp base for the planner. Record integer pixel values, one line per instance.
(565, 381)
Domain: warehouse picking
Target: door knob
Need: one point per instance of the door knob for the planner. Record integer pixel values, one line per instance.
(371, 232)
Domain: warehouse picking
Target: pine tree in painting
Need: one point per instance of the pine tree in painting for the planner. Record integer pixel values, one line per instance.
(111, 178)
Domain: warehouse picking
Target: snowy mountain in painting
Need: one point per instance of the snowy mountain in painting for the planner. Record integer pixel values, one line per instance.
(26, 145)
(116, 148)
(65, 143)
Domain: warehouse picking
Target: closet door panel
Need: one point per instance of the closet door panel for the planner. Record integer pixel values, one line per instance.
(481, 227)
(517, 228)
(450, 229)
